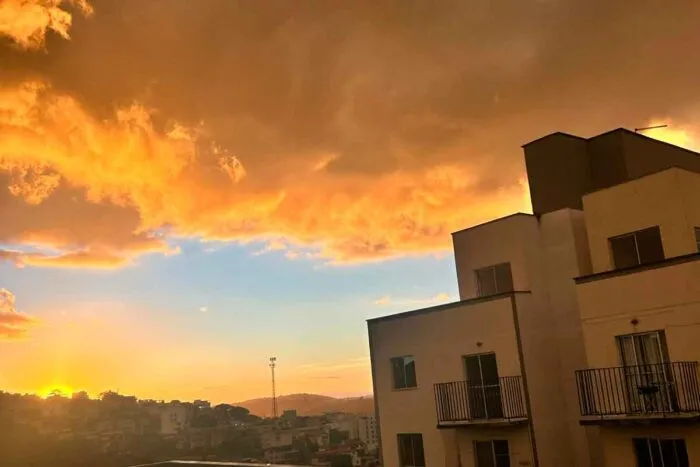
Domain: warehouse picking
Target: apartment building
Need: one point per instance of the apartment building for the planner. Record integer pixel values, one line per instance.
(367, 432)
(640, 310)
(506, 376)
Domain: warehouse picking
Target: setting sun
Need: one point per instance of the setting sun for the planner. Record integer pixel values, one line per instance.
(56, 389)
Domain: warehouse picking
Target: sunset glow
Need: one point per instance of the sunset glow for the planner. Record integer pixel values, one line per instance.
(187, 191)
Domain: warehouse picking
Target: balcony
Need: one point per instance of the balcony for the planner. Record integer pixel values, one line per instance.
(461, 403)
(640, 393)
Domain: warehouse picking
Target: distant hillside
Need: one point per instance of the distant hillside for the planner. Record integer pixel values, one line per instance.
(310, 404)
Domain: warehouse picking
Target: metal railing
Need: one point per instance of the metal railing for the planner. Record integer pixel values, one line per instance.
(651, 389)
(463, 401)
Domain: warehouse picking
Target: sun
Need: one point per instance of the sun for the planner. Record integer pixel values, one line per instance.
(62, 389)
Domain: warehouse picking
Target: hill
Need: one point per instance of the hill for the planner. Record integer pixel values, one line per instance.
(310, 404)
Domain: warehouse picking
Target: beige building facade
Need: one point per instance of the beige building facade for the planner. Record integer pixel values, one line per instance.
(507, 375)
(640, 311)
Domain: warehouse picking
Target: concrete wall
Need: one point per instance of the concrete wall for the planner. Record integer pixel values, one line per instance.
(669, 199)
(552, 338)
(607, 160)
(501, 241)
(644, 156)
(545, 255)
(557, 172)
(618, 450)
(665, 298)
(437, 340)
(518, 444)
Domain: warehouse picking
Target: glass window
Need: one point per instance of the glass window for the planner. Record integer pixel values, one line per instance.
(404, 372)
(411, 450)
(493, 280)
(636, 248)
(492, 453)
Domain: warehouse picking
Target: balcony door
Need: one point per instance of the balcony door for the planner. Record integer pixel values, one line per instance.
(483, 386)
(646, 371)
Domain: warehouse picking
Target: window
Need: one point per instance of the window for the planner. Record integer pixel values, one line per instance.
(411, 450)
(404, 370)
(494, 279)
(652, 452)
(697, 237)
(636, 248)
(648, 380)
(492, 453)
(483, 386)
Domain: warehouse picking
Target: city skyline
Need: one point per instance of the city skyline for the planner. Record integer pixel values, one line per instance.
(164, 231)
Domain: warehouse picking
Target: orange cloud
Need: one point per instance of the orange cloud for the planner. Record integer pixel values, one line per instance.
(74, 259)
(26, 22)
(13, 324)
(174, 179)
(374, 148)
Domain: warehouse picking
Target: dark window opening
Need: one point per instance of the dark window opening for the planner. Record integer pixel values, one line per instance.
(411, 450)
(404, 372)
(492, 453)
(637, 248)
(653, 452)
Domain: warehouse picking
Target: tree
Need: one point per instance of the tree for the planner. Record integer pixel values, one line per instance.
(81, 396)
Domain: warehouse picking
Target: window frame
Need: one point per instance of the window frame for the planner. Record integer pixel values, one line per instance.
(678, 461)
(493, 270)
(495, 457)
(406, 386)
(634, 235)
(412, 437)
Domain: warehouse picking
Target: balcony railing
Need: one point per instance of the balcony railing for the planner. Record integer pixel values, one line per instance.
(466, 402)
(662, 389)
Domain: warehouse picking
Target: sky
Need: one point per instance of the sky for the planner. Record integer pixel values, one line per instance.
(188, 188)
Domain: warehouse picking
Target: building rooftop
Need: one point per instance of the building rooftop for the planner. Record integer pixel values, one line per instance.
(493, 221)
(615, 131)
(446, 306)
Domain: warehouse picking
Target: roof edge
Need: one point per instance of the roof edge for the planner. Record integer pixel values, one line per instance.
(447, 306)
(493, 221)
(643, 136)
(641, 177)
(556, 133)
(635, 269)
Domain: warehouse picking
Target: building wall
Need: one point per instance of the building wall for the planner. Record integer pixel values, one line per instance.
(669, 199)
(644, 156)
(545, 254)
(367, 431)
(173, 419)
(437, 340)
(519, 445)
(607, 159)
(618, 449)
(492, 243)
(558, 171)
(665, 298)
(552, 338)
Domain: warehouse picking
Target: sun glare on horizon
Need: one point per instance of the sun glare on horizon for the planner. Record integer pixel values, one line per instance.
(56, 389)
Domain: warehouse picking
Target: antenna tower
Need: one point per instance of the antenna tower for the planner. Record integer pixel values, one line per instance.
(637, 130)
(273, 364)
